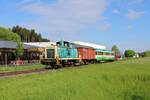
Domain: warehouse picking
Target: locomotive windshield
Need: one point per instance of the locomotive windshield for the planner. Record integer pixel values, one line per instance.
(50, 53)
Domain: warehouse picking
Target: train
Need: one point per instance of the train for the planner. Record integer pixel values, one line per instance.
(66, 53)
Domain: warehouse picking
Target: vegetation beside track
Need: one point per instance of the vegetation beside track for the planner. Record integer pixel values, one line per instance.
(122, 80)
(20, 68)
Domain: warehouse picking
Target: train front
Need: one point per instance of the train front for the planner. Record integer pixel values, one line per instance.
(49, 55)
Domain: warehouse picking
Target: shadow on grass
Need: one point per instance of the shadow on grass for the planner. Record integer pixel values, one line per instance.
(134, 95)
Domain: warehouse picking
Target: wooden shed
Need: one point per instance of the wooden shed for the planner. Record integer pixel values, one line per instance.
(7, 51)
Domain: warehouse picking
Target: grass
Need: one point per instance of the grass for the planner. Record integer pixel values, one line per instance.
(123, 80)
(20, 68)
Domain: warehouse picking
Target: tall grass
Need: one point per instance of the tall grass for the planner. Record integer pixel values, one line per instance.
(125, 80)
(20, 68)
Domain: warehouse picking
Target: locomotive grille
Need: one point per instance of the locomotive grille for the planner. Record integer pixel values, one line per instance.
(50, 53)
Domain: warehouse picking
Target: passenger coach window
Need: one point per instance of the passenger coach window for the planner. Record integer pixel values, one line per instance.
(107, 53)
(100, 53)
(96, 53)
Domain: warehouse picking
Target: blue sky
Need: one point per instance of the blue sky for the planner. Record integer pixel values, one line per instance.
(122, 22)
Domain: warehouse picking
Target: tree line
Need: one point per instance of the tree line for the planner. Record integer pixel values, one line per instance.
(145, 54)
(18, 35)
(6, 34)
(27, 35)
(130, 53)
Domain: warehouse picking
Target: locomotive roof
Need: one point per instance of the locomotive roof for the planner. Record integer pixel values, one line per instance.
(63, 41)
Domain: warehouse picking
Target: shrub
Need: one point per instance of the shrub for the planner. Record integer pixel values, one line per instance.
(147, 54)
(8, 35)
(129, 53)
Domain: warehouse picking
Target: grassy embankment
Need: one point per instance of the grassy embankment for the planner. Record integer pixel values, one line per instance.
(20, 68)
(123, 80)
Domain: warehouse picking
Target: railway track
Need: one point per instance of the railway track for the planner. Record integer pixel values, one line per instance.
(6, 74)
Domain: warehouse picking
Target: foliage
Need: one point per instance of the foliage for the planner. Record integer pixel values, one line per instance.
(19, 51)
(6, 34)
(147, 54)
(27, 35)
(116, 50)
(129, 53)
(141, 54)
(20, 68)
(122, 80)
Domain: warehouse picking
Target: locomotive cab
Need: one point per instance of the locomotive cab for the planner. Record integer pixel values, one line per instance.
(49, 55)
(62, 54)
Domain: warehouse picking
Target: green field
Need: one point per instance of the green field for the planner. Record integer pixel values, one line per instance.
(123, 80)
(20, 68)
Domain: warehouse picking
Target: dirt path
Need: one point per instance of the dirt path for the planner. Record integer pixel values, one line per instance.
(5, 74)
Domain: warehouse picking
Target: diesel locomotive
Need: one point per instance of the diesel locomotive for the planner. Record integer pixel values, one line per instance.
(62, 54)
(65, 53)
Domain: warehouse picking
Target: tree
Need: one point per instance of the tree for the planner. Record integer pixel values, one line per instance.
(17, 29)
(19, 51)
(27, 35)
(8, 35)
(116, 50)
(129, 53)
(141, 54)
(147, 53)
(39, 37)
(32, 35)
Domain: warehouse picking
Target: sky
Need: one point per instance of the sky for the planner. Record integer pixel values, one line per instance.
(125, 23)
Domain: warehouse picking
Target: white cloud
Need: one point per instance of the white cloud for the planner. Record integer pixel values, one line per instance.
(132, 14)
(65, 16)
(104, 27)
(130, 27)
(133, 2)
(116, 11)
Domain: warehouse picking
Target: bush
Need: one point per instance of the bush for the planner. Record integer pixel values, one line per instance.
(116, 50)
(147, 54)
(7, 35)
(141, 54)
(129, 53)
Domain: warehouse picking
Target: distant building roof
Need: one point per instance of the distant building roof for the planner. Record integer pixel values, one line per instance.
(95, 46)
(14, 45)
(38, 44)
(8, 44)
(27, 46)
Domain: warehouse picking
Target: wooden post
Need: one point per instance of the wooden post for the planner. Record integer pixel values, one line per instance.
(6, 59)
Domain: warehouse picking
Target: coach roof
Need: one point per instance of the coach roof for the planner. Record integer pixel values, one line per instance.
(95, 46)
